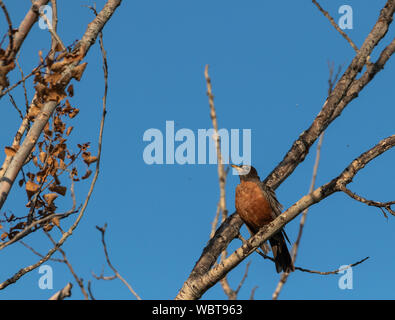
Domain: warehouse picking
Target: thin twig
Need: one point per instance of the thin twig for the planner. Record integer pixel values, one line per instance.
(23, 85)
(2, 93)
(381, 205)
(106, 13)
(103, 231)
(10, 29)
(90, 290)
(68, 264)
(253, 292)
(203, 275)
(216, 137)
(39, 254)
(54, 43)
(15, 106)
(201, 283)
(103, 277)
(222, 174)
(334, 271)
(52, 30)
(244, 278)
(215, 221)
(334, 24)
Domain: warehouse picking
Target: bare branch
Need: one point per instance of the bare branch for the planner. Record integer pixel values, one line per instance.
(24, 28)
(90, 290)
(103, 230)
(35, 225)
(42, 118)
(253, 292)
(194, 287)
(52, 30)
(64, 293)
(347, 88)
(88, 39)
(17, 41)
(337, 271)
(38, 253)
(216, 137)
(222, 174)
(68, 264)
(381, 205)
(10, 29)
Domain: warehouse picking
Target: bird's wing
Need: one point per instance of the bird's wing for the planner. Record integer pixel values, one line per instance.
(274, 203)
(271, 197)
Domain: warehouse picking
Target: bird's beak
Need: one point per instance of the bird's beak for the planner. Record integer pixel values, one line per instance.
(239, 169)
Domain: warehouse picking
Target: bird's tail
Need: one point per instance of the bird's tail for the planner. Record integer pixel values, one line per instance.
(281, 255)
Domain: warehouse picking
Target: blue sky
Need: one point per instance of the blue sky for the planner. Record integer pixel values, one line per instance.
(269, 69)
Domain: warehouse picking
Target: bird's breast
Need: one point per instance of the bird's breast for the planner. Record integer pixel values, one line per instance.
(252, 205)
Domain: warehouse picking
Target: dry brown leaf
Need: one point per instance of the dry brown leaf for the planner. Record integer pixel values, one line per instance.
(55, 221)
(58, 189)
(78, 71)
(53, 78)
(33, 112)
(50, 197)
(41, 89)
(56, 95)
(30, 176)
(47, 131)
(58, 66)
(48, 227)
(59, 125)
(74, 172)
(62, 55)
(69, 129)
(42, 156)
(74, 113)
(9, 151)
(3, 73)
(88, 159)
(35, 161)
(31, 188)
(62, 154)
(87, 174)
(62, 165)
(41, 175)
(58, 47)
(70, 90)
(40, 54)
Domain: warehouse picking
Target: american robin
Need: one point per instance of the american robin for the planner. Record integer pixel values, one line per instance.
(257, 206)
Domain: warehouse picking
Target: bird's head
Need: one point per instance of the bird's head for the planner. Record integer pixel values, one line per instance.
(246, 172)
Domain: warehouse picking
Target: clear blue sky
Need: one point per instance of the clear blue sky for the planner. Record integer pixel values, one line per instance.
(268, 64)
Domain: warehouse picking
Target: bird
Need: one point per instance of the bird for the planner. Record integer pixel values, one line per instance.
(257, 205)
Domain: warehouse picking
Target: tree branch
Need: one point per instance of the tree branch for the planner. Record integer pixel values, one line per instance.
(194, 287)
(347, 88)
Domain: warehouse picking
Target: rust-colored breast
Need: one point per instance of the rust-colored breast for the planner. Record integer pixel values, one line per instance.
(252, 206)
